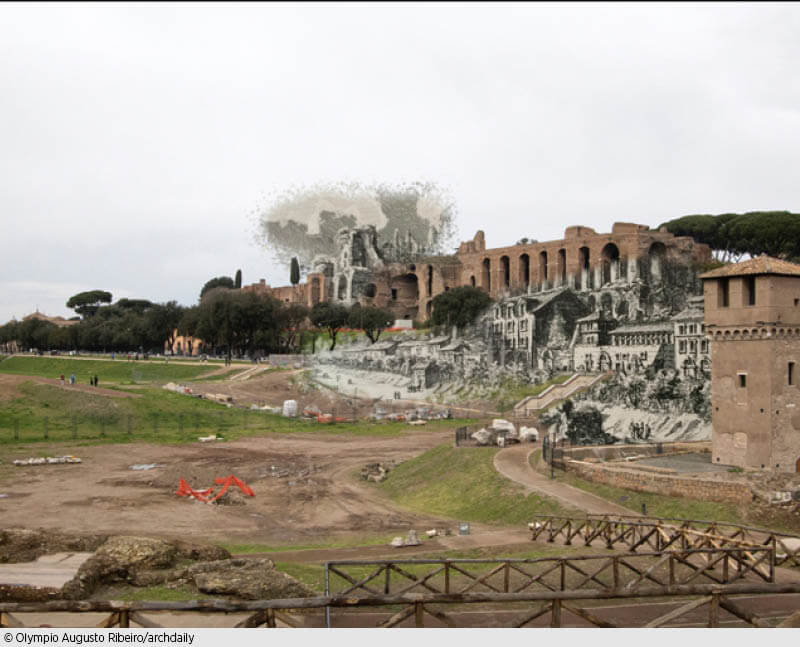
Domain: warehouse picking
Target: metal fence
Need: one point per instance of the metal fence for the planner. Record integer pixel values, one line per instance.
(19, 429)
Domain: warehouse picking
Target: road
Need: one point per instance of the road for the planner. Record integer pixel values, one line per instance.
(513, 463)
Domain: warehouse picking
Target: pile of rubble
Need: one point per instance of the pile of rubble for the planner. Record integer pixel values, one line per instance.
(377, 472)
(143, 561)
(412, 415)
(24, 545)
(503, 433)
(47, 460)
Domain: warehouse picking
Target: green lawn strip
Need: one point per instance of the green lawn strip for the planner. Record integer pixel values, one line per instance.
(160, 594)
(157, 416)
(463, 484)
(119, 371)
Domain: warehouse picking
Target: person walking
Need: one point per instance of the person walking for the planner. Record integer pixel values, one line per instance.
(72, 379)
(95, 380)
(62, 379)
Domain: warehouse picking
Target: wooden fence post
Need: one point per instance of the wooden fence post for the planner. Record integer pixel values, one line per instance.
(671, 569)
(555, 616)
(713, 611)
(418, 619)
(46, 423)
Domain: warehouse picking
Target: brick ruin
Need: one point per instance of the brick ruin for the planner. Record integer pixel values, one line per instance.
(628, 301)
(395, 276)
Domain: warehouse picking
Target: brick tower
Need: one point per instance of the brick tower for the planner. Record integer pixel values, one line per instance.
(752, 316)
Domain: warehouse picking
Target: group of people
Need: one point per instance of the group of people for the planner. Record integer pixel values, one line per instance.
(92, 380)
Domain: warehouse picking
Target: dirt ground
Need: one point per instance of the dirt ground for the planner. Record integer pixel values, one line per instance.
(305, 489)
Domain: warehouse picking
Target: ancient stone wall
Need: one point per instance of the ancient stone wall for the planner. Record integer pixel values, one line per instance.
(666, 484)
(583, 260)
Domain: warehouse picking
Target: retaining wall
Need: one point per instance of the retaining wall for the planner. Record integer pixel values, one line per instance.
(692, 488)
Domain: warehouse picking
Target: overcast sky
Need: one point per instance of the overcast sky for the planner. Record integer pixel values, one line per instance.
(138, 141)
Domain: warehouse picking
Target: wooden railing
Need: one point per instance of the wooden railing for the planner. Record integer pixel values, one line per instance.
(625, 573)
(520, 609)
(633, 533)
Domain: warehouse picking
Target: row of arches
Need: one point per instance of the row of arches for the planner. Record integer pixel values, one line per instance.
(552, 269)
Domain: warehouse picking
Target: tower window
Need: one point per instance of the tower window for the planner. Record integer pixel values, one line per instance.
(742, 380)
(724, 293)
(790, 374)
(749, 290)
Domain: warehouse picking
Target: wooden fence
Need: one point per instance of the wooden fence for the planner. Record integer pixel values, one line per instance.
(519, 609)
(625, 573)
(633, 533)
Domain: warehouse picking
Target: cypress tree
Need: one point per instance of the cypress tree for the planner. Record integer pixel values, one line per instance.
(294, 271)
(238, 282)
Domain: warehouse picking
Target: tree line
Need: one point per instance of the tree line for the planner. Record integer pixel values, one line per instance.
(732, 235)
(230, 321)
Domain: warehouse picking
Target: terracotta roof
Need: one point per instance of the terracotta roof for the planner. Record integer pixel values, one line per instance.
(760, 265)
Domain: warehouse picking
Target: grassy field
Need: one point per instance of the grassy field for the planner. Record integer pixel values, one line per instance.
(462, 483)
(118, 371)
(156, 416)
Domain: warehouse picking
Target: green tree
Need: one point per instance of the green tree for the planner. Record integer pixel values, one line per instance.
(87, 303)
(162, 322)
(459, 306)
(187, 325)
(217, 282)
(291, 319)
(34, 333)
(294, 271)
(238, 281)
(137, 305)
(331, 317)
(731, 235)
(373, 321)
(238, 321)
